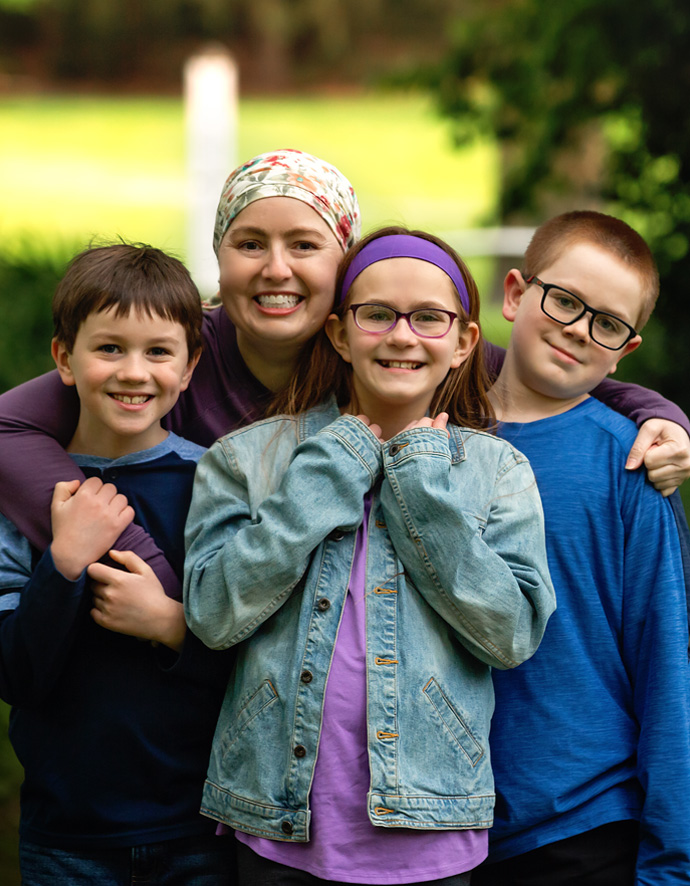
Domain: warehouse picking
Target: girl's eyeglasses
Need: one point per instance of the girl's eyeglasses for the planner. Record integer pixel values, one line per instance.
(424, 322)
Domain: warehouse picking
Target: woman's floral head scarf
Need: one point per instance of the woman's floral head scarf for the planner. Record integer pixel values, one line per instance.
(289, 173)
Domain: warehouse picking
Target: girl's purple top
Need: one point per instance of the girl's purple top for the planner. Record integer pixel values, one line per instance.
(343, 844)
(223, 395)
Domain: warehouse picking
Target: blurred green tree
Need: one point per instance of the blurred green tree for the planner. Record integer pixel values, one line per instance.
(588, 99)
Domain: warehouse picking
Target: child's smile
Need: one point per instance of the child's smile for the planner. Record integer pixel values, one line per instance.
(400, 364)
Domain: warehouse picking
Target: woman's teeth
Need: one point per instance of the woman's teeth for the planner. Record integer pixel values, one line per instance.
(278, 301)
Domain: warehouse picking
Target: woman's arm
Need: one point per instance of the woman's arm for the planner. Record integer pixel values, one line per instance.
(37, 420)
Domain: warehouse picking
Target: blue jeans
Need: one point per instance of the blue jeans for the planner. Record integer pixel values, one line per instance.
(189, 861)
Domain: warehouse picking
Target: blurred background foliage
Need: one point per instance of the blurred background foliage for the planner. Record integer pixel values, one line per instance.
(554, 106)
(28, 278)
(588, 101)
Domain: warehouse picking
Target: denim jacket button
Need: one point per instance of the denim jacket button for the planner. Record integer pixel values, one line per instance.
(300, 751)
(306, 676)
(286, 828)
(336, 535)
(323, 604)
(394, 449)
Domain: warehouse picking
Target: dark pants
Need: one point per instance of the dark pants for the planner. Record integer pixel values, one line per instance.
(190, 861)
(257, 871)
(604, 856)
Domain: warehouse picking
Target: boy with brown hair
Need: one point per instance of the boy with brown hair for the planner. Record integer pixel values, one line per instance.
(591, 738)
(113, 733)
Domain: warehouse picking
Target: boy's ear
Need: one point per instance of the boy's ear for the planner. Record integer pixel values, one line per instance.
(513, 289)
(631, 346)
(189, 369)
(62, 360)
(337, 335)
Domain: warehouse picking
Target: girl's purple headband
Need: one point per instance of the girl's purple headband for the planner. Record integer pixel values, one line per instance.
(405, 246)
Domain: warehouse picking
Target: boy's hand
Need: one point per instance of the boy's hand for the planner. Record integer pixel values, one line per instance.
(664, 448)
(134, 602)
(87, 519)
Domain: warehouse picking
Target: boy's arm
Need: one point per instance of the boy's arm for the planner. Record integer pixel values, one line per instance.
(37, 420)
(655, 642)
(40, 609)
(663, 442)
(37, 635)
(132, 601)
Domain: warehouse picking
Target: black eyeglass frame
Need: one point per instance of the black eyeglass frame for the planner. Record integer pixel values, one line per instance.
(585, 310)
(405, 315)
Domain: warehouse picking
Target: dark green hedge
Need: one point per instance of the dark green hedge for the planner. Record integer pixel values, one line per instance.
(27, 281)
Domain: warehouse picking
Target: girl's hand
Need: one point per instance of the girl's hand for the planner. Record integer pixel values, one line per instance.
(440, 422)
(375, 429)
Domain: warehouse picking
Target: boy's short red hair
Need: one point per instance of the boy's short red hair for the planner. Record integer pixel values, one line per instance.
(605, 231)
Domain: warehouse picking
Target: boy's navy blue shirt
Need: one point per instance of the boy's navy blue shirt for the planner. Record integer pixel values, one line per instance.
(113, 733)
(595, 728)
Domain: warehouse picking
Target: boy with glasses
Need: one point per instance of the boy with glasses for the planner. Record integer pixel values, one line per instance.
(590, 739)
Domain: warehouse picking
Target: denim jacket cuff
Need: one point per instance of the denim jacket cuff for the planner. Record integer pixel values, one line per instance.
(357, 437)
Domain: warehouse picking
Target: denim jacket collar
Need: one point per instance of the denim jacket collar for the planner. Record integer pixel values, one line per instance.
(309, 423)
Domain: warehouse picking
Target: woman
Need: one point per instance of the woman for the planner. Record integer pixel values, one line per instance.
(284, 220)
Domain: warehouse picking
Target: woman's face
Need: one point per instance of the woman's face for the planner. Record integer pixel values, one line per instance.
(278, 261)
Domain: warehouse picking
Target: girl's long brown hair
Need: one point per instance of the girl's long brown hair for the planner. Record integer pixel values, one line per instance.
(321, 372)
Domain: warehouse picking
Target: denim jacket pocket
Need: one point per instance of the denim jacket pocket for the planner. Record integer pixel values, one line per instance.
(453, 722)
(264, 696)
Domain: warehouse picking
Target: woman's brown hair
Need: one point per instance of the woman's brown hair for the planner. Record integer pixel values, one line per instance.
(322, 373)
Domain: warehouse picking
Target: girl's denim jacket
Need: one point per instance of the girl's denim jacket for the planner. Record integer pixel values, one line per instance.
(456, 580)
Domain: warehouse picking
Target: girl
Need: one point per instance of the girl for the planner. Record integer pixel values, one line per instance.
(374, 553)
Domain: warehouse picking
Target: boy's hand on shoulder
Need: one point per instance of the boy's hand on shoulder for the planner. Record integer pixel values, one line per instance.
(87, 519)
(133, 601)
(664, 448)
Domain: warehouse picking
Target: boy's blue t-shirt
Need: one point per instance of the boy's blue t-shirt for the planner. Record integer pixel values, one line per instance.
(595, 727)
(114, 733)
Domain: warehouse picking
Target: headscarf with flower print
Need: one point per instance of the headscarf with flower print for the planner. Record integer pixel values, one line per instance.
(290, 173)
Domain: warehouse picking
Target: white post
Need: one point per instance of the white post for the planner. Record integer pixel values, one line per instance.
(210, 97)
